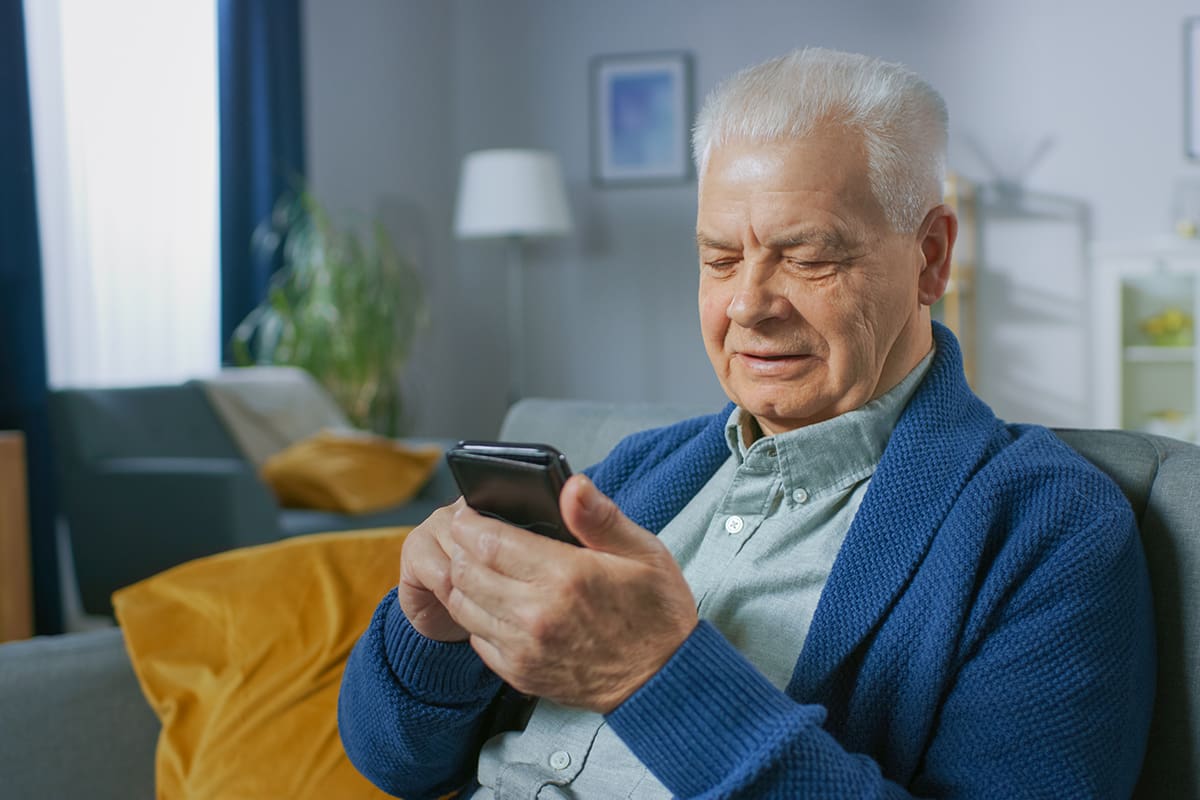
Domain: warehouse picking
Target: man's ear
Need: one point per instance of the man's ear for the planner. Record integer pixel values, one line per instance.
(936, 240)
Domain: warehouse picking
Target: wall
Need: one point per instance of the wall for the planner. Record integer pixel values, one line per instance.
(611, 309)
(378, 77)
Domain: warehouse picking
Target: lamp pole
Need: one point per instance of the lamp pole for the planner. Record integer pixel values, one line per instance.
(515, 195)
(516, 319)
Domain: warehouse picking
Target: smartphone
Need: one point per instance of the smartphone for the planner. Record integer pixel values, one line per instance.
(512, 482)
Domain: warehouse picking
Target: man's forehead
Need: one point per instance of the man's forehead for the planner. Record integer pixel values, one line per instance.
(819, 181)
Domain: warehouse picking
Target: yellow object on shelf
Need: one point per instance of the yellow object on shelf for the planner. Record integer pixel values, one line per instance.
(956, 309)
(1171, 422)
(1171, 328)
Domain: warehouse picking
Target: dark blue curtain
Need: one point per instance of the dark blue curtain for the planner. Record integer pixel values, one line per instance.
(22, 337)
(262, 140)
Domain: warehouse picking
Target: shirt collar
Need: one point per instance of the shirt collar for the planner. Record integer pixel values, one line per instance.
(830, 455)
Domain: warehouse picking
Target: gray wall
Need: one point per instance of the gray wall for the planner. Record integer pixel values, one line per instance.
(399, 90)
(379, 77)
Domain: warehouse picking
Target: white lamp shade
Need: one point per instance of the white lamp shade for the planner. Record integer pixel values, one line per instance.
(511, 193)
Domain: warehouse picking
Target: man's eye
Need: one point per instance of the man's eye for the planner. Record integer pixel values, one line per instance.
(721, 263)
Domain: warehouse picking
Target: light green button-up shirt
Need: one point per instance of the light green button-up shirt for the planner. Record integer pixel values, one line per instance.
(756, 545)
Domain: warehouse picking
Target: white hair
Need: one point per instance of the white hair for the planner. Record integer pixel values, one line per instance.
(902, 120)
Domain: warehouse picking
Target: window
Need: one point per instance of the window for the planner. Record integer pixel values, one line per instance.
(124, 101)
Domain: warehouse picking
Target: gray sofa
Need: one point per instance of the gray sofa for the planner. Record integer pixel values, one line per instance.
(74, 723)
(150, 477)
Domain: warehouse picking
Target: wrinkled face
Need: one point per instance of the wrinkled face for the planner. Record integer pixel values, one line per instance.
(810, 304)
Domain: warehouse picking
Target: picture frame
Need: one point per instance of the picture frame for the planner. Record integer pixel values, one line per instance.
(1191, 83)
(641, 116)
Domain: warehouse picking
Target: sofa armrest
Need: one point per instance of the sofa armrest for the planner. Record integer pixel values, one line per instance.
(73, 719)
(132, 517)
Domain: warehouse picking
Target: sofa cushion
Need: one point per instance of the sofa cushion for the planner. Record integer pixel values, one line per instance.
(350, 472)
(302, 521)
(241, 655)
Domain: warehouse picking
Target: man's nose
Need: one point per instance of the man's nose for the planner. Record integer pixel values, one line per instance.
(756, 297)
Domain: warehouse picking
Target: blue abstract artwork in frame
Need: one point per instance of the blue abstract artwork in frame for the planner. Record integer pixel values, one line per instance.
(641, 116)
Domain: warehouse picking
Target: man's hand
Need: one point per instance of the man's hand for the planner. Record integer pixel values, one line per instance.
(425, 577)
(582, 626)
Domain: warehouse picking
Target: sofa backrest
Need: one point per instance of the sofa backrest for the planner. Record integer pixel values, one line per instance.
(73, 720)
(139, 422)
(1159, 476)
(586, 430)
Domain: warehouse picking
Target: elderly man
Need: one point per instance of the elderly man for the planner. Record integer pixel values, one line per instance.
(854, 581)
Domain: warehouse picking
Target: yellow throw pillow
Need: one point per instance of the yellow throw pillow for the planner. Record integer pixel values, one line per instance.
(241, 655)
(353, 473)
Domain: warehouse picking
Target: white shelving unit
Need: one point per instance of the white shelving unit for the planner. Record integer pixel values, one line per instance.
(1141, 385)
(1154, 354)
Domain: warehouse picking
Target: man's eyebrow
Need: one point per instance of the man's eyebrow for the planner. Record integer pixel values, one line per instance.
(825, 238)
(704, 240)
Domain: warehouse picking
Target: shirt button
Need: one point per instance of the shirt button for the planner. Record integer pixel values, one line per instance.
(734, 524)
(771, 451)
(800, 496)
(560, 759)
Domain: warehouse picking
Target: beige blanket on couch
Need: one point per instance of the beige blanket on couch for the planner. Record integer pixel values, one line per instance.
(266, 409)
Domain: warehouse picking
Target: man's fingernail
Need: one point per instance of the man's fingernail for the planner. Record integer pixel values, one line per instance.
(594, 503)
(588, 495)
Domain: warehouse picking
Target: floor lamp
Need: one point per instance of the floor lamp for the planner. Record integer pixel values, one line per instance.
(515, 195)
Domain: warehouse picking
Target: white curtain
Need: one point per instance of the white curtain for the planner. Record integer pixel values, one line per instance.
(124, 101)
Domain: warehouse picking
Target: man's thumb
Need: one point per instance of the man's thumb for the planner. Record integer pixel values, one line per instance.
(598, 524)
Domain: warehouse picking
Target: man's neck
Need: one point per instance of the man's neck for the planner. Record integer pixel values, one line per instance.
(750, 429)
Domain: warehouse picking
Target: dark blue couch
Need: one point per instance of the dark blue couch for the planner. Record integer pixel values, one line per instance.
(148, 478)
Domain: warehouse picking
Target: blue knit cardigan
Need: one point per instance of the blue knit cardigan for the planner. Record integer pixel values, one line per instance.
(986, 631)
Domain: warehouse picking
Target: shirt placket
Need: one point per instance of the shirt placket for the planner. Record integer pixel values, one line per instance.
(753, 493)
(562, 748)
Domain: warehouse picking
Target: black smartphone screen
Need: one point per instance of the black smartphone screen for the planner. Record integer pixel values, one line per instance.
(516, 483)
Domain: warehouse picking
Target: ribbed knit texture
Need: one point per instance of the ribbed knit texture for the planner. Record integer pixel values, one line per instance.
(410, 707)
(986, 631)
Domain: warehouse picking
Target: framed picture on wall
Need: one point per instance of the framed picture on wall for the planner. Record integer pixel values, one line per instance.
(1191, 83)
(641, 117)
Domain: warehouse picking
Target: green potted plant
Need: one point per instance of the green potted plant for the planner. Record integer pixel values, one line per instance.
(345, 305)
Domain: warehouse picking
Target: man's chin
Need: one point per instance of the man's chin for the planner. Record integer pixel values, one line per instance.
(779, 417)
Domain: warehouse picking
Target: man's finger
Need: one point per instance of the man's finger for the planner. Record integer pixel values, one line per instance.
(423, 565)
(505, 548)
(488, 589)
(599, 524)
(478, 620)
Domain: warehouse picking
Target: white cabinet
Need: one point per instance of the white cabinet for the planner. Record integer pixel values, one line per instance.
(1146, 302)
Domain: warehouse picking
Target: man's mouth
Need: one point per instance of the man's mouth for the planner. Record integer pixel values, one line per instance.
(772, 355)
(770, 363)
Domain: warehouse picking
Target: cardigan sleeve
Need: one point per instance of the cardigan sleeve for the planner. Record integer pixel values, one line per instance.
(410, 708)
(411, 711)
(1053, 700)
(709, 724)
